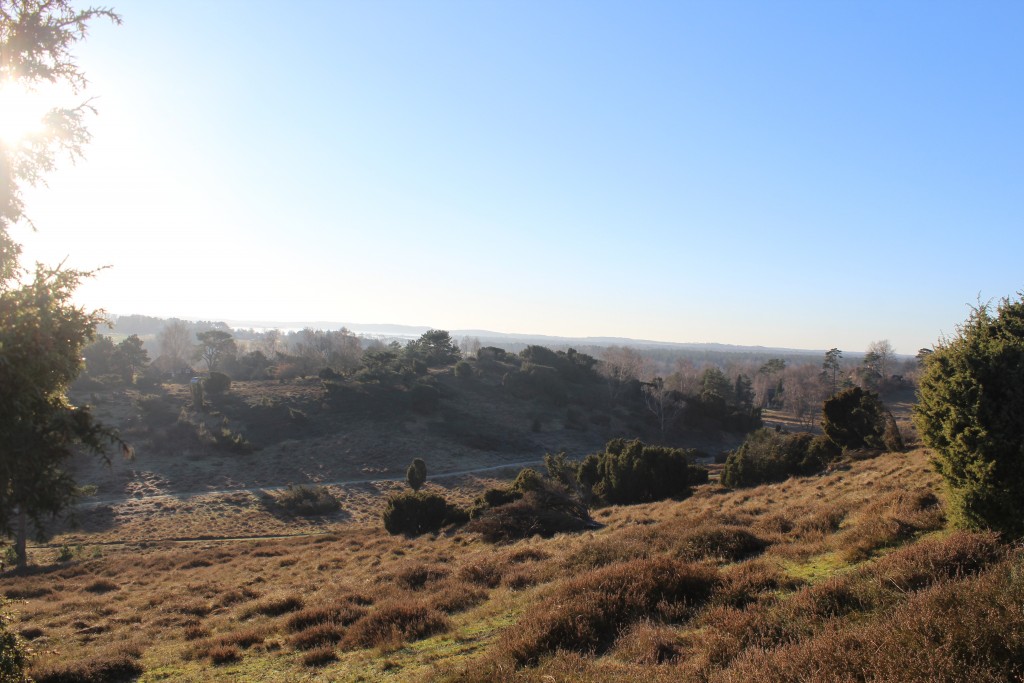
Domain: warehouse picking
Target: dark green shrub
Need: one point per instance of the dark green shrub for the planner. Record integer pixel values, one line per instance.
(492, 498)
(217, 383)
(532, 514)
(491, 353)
(528, 480)
(855, 418)
(463, 370)
(969, 411)
(529, 506)
(633, 472)
(416, 475)
(13, 657)
(419, 513)
(767, 455)
(328, 374)
(536, 382)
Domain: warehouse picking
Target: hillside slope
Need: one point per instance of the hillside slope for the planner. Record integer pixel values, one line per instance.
(845, 576)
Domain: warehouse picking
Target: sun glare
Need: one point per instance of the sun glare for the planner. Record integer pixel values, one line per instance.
(22, 113)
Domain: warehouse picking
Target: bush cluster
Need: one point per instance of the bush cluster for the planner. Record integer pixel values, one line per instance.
(855, 418)
(416, 513)
(768, 455)
(634, 472)
(217, 383)
(531, 505)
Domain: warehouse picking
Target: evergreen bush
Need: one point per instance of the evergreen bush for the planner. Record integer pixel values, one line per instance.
(217, 383)
(855, 418)
(416, 513)
(969, 406)
(634, 472)
(768, 455)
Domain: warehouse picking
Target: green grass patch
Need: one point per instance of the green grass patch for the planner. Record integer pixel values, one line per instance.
(816, 568)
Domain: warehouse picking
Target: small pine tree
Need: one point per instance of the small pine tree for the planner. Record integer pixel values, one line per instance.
(416, 475)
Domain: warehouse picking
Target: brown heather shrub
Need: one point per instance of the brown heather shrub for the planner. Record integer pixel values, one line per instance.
(416, 576)
(930, 561)
(602, 550)
(749, 581)
(392, 623)
(188, 605)
(320, 656)
(773, 523)
(825, 520)
(341, 613)
(890, 520)
(195, 632)
(274, 605)
(527, 555)
(117, 663)
(485, 571)
(31, 632)
(227, 647)
(834, 597)
(521, 578)
(725, 543)
(317, 636)
(586, 613)
(969, 631)
(100, 586)
(223, 654)
(235, 596)
(27, 592)
(647, 643)
(454, 596)
(246, 638)
(195, 563)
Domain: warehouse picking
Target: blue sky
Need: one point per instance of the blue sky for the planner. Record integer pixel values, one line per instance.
(791, 174)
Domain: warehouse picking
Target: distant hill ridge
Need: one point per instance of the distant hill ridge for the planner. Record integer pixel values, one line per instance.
(147, 325)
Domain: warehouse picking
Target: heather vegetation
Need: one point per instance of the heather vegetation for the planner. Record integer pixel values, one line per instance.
(721, 585)
(699, 516)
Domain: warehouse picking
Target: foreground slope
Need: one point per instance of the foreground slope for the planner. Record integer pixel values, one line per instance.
(846, 576)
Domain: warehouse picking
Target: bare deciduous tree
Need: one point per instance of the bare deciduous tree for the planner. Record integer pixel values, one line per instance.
(175, 341)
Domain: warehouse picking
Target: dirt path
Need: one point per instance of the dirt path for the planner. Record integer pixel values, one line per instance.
(184, 495)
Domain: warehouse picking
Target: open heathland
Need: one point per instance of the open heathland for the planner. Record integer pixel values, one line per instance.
(853, 567)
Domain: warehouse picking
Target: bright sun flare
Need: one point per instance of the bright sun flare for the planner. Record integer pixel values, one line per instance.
(21, 113)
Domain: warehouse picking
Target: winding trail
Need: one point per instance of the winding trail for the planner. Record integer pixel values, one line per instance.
(184, 495)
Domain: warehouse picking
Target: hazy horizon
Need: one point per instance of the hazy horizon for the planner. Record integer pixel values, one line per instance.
(808, 175)
(386, 330)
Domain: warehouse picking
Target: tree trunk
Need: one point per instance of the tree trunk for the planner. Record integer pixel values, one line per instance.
(20, 539)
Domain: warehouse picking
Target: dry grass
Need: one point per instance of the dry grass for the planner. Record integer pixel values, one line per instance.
(852, 567)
